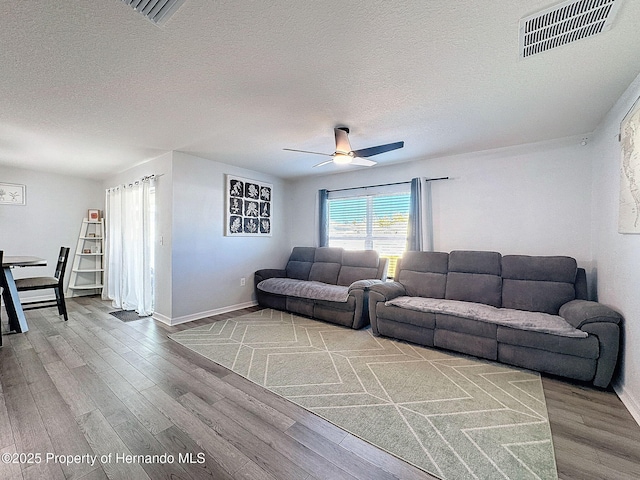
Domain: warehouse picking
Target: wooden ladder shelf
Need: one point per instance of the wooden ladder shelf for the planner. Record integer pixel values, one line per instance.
(87, 272)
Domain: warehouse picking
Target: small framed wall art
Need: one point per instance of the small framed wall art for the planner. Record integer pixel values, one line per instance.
(93, 215)
(13, 194)
(248, 207)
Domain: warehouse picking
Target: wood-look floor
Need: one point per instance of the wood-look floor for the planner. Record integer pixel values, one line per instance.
(96, 386)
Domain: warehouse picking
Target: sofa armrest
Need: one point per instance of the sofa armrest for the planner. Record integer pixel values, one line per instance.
(363, 284)
(582, 312)
(608, 335)
(268, 273)
(385, 291)
(602, 322)
(380, 293)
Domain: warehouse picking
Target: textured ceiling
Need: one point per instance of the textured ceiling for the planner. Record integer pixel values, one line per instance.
(90, 88)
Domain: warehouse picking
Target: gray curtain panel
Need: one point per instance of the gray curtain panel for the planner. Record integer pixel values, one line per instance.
(415, 230)
(323, 202)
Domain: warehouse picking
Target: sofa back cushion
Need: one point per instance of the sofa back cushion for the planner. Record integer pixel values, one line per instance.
(474, 277)
(300, 261)
(423, 274)
(538, 284)
(326, 265)
(358, 265)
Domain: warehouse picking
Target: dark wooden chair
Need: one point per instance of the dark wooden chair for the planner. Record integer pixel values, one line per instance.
(43, 283)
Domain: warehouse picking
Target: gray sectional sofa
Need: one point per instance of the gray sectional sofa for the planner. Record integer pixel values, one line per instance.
(325, 283)
(528, 311)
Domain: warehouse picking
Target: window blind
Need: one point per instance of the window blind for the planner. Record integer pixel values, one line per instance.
(376, 221)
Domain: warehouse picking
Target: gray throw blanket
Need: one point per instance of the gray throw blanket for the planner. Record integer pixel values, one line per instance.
(520, 319)
(305, 289)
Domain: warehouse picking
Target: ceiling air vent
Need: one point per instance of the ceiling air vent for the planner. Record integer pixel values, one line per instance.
(157, 11)
(565, 23)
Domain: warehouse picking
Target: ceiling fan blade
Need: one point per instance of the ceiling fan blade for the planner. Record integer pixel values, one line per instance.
(342, 139)
(371, 151)
(306, 151)
(363, 162)
(323, 163)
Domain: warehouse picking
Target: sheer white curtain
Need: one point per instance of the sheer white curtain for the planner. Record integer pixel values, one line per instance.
(128, 246)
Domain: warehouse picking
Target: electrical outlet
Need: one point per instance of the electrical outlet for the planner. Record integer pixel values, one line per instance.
(242, 281)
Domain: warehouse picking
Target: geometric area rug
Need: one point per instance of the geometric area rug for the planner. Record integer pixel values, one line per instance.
(454, 416)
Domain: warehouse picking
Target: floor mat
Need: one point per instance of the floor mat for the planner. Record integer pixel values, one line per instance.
(127, 315)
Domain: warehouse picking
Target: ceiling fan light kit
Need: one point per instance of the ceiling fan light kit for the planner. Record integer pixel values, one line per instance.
(343, 154)
(342, 158)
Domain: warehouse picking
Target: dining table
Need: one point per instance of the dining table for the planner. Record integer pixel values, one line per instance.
(17, 319)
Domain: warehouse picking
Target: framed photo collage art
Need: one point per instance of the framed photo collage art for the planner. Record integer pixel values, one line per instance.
(248, 207)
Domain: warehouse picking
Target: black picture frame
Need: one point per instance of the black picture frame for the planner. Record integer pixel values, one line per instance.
(248, 207)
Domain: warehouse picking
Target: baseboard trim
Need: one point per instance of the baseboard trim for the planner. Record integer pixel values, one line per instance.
(197, 316)
(161, 318)
(631, 403)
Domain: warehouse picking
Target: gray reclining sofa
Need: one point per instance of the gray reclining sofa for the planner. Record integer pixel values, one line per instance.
(528, 311)
(323, 282)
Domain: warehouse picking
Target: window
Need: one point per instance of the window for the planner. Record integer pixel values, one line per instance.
(371, 219)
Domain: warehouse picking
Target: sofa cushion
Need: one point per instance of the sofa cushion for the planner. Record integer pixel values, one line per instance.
(358, 265)
(534, 321)
(326, 265)
(535, 296)
(538, 284)
(324, 272)
(474, 287)
(424, 274)
(304, 289)
(474, 277)
(547, 269)
(434, 262)
(328, 254)
(303, 254)
(360, 258)
(300, 261)
(298, 270)
(471, 261)
(349, 275)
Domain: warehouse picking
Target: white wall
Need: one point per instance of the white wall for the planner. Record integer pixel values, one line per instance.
(207, 265)
(198, 269)
(532, 199)
(51, 219)
(617, 257)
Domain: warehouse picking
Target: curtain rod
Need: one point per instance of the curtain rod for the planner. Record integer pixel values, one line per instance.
(435, 179)
(135, 182)
(387, 184)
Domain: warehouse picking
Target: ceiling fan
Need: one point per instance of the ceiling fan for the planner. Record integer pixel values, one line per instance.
(344, 155)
